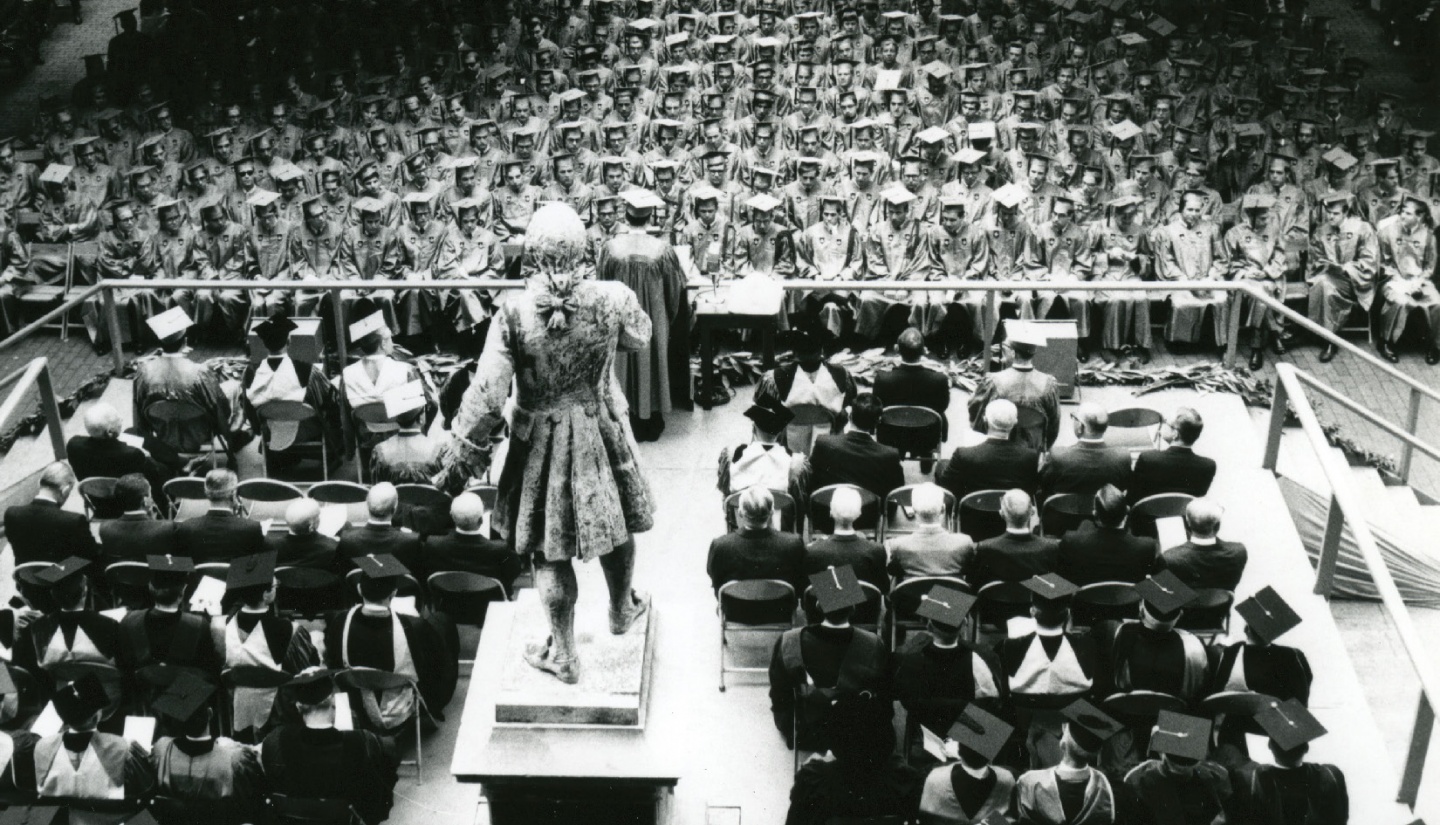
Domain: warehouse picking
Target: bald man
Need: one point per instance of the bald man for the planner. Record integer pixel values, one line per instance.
(41, 530)
(222, 534)
(997, 463)
(1206, 561)
(1017, 554)
(301, 545)
(1088, 464)
(468, 548)
(379, 535)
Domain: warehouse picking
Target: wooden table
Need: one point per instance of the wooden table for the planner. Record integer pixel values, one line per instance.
(715, 309)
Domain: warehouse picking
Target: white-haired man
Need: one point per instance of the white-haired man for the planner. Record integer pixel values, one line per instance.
(102, 451)
(931, 550)
(997, 463)
(846, 546)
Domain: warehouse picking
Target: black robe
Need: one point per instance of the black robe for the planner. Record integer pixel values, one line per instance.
(325, 763)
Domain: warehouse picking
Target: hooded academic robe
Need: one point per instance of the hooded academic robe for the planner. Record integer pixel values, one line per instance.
(1026, 387)
(820, 663)
(1168, 661)
(1041, 799)
(1310, 794)
(952, 796)
(1274, 670)
(395, 643)
(1153, 795)
(1192, 254)
(211, 770)
(67, 636)
(935, 684)
(172, 376)
(655, 375)
(1049, 671)
(325, 763)
(268, 641)
(89, 765)
(282, 378)
(429, 255)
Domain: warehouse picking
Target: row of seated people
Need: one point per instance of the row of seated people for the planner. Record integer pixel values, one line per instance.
(41, 531)
(1051, 705)
(1099, 550)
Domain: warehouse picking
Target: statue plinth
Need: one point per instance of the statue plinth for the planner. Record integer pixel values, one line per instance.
(614, 670)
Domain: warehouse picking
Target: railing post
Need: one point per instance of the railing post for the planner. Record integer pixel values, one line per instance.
(1407, 450)
(1279, 409)
(1329, 547)
(1232, 345)
(988, 329)
(342, 352)
(117, 346)
(48, 406)
(1415, 759)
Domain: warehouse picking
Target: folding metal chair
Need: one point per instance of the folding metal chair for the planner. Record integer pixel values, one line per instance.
(764, 605)
(293, 412)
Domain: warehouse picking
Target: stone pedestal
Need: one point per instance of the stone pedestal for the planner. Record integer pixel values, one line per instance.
(614, 670)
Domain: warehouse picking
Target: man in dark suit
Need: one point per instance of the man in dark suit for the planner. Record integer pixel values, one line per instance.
(855, 457)
(757, 550)
(1175, 469)
(221, 534)
(301, 545)
(1087, 465)
(913, 384)
(106, 451)
(847, 547)
(1017, 554)
(1102, 550)
(468, 548)
(1206, 561)
(41, 530)
(997, 463)
(379, 536)
(136, 533)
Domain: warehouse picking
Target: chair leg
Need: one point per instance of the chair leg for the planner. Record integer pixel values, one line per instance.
(419, 746)
(722, 652)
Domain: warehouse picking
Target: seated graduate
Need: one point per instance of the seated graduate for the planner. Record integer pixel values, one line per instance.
(1151, 653)
(1182, 786)
(1259, 665)
(41, 530)
(222, 533)
(468, 548)
(1177, 468)
(409, 456)
(279, 377)
(373, 635)
(997, 463)
(377, 372)
(764, 461)
(165, 633)
(1071, 791)
(17, 747)
(82, 762)
(815, 665)
(1291, 790)
(845, 547)
(937, 674)
(1017, 554)
(1050, 666)
(256, 637)
(973, 789)
(809, 380)
(757, 550)
(312, 759)
(174, 377)
(137, 533)
(196, 766)
(1206, 561)
(72, 633)
(931, 550)
(861, 777)
(301, 545)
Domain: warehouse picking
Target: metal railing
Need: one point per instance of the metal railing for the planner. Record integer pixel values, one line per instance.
(35, 374)
(1345, 508)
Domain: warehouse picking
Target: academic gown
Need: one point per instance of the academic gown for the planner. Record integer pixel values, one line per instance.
(211, 770)
(1168, 661)
(821, 663)
(1311, 794)
(652, 376)
(952, 796)
(90, 765)
(1274, 670)
(1028, 388)
(153, 636)
(1040, 801)
(268, 641)
(175, 377)
(325, 763)
(1154, 796)
(1049, 672)
(282, 378)
(372, 643)
(935, 684)
(68, 636)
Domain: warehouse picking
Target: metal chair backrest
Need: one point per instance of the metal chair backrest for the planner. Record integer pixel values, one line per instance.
(489, 494)
(911, 428)
(1002, 601)
(820, 521)
(98, 494)
(338, 492)
(782, 516)
(1244, 703)
(179, 490)
(1133, 427)
(364, 678)
(308, 591)
(760, 601)
(129, 583)
(286, 411)
(1142, 705)
(903, 497)
(1064, 512)
(1104, 601)
(1151, 508)
(267, 490)
(979, 514)
(372, 413)
(464, 597)
(423, 495)
(302, 811)
(254, 676)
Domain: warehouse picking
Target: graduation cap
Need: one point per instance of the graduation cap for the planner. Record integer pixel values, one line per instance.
(382, 566)
(1250, 130)
(981, 731)
(837, 588)
(1330, 200)
(403, 399)
(1008, 196)
(274, 332)
(185, 696)
(1266, 613)
(1133, 39)
(256, 570)
(80, 700)
(1257, 201)
(173, 321)
(62, 571)
(704, 193)
(897, 195)
(981, 130)
(1164, 594)
(968, 156)
(1290, 724)
(1176, 734)
(56, 173)
(1124, 130)
(414, 199)
(314, 686)
(261, 198)
(1050, 587)
(1089, 726)
(371, 320)
(640, 202)
(288, 172)
(937, 69)
(933, 135)
(770, 417)
(945, 606)
(169, 568)
(465, 204)
(763, 203)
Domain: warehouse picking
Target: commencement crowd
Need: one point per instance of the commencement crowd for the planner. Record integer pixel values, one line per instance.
(1056, 655)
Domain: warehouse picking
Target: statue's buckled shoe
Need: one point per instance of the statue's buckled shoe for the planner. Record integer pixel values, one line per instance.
(620, 625)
